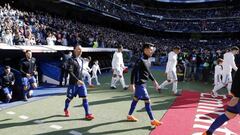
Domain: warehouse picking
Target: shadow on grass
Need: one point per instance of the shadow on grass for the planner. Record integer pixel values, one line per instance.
(85, 130)
(5, 120)
(32, 122)
(106, 101)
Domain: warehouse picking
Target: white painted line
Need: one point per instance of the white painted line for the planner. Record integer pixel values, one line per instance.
(10, 113)
(38, 121)
(56, 127)
(75, 132)
(23, 117)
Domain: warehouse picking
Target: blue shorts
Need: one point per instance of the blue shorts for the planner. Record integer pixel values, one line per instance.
(7, 90)
(74, 90)
(141, 92)
(27, 81)
(234, 109)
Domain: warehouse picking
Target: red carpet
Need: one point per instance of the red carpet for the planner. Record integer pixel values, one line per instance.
(192, 113)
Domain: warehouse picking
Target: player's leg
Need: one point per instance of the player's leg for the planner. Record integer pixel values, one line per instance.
(175, 83)
(70, 94)
(89, 79)
(96, 78)
(220, 85)
(114, 79)
(121, 78)
(232, 111)
(148, 108)
(229, 85)
(82, 92)
(8, 92)
(132, 108)
(168, 81)
(25, 87)
(33, 83)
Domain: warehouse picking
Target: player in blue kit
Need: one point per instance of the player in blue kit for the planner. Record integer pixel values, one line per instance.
(28, 69)
(76, 84)
(233, 108)
(7, 80)
(139, 76)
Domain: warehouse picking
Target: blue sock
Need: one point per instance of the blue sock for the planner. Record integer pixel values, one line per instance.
(67, 102)
(149, 110)
(133, 106)
(218, 122)
(86, 106)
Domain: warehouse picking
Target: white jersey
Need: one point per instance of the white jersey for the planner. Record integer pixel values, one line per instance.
(217, 74)
(229, 63)
(95, 68)
(85, 65)
(172, 62)
(117, 61)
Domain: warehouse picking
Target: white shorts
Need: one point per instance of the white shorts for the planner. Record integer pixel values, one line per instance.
(171, 75)
(94, 74)
(118, 72)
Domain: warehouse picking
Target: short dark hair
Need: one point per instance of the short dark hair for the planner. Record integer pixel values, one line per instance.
(147, 45)
(119, 46)
(28, 51)
(76, 46)
(234, 48)
(7, 67)
(176, 48)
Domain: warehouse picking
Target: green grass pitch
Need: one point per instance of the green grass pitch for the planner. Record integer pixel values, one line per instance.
(110, 108)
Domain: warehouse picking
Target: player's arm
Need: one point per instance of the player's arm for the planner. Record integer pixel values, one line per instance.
(170, 59)
(21, 68)
(13, 79)
(233, 64)
(122, 63)
(133, 73)
(71, 69)
(35, 67)
(114, 60)
(235, 90)
(151, 77)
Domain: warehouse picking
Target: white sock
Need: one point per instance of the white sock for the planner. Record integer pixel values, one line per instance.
(229, 86)
(113, 82)
(165, 83)
(174, 88)
(96, 78)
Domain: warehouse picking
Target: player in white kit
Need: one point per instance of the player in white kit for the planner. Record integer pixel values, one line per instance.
(86, 70)
(95, 69)
(118, 67)
(171, 71)
(228, 65)
(218, 72)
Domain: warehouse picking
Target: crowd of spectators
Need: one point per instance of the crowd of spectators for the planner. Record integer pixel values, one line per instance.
(39, 28)
(223, 19)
